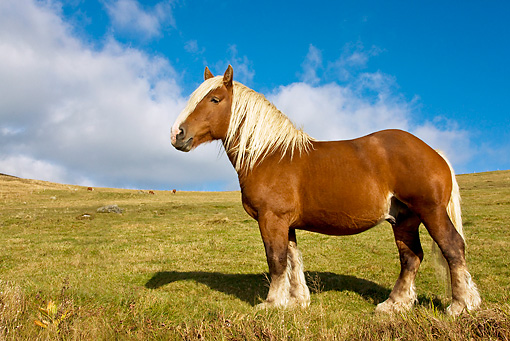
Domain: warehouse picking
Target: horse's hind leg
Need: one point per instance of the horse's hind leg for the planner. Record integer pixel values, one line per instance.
(464, 292)
(299, 292)
(407, 238)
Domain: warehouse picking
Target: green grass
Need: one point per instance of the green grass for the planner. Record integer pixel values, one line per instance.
(192, 266)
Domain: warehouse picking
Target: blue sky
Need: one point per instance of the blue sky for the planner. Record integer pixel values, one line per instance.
(91, 88)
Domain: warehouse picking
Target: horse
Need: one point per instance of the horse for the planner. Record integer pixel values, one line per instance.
(290, 181)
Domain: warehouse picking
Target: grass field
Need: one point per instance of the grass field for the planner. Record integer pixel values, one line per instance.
(192, 266)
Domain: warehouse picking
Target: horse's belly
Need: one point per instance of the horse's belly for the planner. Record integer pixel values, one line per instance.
(349, 215)
(338, 223)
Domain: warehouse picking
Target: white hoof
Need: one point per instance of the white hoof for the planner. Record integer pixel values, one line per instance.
(389, 307)
(263, 306)
(270, 305)
(294, 302)
(455, 309)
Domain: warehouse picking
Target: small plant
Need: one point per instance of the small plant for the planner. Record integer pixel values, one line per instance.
(52, 317)
(55, 317)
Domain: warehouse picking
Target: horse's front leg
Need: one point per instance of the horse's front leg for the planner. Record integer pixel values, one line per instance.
(299, 292)
(275, 235)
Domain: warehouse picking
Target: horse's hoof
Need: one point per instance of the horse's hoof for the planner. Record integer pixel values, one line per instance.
(384, 307)
(262, 306)
(274, 305)
(390, 307)
(268, 305)
(455, 309)
(298, 303)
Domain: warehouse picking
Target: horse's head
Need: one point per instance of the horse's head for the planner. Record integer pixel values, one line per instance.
(207, 115)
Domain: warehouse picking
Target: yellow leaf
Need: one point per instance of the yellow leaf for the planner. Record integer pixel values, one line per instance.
(52, 309)
(40, 324)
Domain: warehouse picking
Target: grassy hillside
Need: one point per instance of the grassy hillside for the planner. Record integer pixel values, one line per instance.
(191, 266)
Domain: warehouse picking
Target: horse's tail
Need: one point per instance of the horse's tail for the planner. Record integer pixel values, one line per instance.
(453, 208)
(454, 212)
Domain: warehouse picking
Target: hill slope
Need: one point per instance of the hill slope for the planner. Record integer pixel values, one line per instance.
(191, 265)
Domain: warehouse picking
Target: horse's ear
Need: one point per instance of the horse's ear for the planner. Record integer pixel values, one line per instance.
(228, 76)
(207, 74)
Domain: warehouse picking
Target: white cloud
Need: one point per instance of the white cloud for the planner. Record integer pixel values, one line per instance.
(354, 58)
(192, 47)
(26, 167)
(311, 65)
(69, 113)
(129, 16)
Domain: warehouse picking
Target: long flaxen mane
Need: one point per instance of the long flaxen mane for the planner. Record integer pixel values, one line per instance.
(256, 129)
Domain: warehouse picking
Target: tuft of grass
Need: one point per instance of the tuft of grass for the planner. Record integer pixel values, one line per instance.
(13, 309)
(420, 324)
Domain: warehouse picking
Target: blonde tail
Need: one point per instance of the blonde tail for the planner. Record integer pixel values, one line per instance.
(453, 208)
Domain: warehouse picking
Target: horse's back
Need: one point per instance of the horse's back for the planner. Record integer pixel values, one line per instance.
(394, 157)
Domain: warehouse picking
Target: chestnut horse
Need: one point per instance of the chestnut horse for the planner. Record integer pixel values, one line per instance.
(290, 181)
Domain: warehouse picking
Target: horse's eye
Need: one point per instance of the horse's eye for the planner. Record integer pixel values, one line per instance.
(215, 100)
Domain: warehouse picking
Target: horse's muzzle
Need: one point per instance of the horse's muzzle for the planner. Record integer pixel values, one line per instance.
(180, 142)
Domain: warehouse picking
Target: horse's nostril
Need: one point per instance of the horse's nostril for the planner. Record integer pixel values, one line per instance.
(181, 133)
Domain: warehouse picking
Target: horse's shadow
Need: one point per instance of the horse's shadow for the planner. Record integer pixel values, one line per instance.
(251, 288)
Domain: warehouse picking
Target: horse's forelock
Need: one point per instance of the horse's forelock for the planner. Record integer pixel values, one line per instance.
(195, 98)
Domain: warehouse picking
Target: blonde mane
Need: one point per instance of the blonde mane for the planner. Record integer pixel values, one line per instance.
(257, 128)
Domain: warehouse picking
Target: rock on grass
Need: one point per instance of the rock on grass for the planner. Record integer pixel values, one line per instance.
(110, 209)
